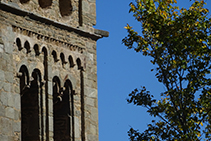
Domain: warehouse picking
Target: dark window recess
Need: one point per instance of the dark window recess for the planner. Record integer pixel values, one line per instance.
(65, 7)
(24, 1)
(45, 3)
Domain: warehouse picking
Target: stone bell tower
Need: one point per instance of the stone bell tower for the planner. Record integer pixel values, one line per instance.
(48, 72)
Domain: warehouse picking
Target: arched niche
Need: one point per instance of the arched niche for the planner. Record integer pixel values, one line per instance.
(18, 43)
(65, 7)
(30, 111)
(54, 54)
(78, 61)
(62, 57)
(63, 112)
(70, 59)
(27, 47)
(45, 3)
(36, 49)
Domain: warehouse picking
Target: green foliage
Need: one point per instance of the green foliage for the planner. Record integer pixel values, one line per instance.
(178, 40)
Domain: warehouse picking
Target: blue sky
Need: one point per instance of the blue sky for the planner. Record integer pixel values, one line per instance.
(120, 71)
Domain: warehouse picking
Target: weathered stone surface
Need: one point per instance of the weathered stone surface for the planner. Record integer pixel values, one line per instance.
(7, 87)
(9, 77)
(1, 48)
(4, 98)
(90, 101)
(6, 126)
(10, 99)
(47, 55)
(91, 92)
(10, 113)
(77, 128)
(2, 76)
(2, 110)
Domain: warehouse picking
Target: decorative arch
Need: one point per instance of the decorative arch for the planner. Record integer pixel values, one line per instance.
(70, 59)
(18, 43)
(24, 77)
(45, 3)
(27, 47)
(78, 61)
(55, 56)
(65, 7)
(36, 49)
(62, 58)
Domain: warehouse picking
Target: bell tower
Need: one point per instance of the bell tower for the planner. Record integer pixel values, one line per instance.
(48, 70)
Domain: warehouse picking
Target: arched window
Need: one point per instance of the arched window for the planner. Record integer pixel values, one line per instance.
(65, 7)
(29, 92)
(45, 3)
(62, 110)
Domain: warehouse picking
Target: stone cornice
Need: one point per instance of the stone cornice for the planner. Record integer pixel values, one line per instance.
(15, 10)
(47, 39)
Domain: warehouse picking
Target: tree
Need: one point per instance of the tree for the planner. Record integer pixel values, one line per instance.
(178, 40)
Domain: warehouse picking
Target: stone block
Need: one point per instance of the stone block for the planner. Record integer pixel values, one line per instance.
(17, 115)
(6, 126)
(2, 111)
(1, 85)
(1, 48)
(93, 1)
(90, 101)
(91, 137)
(17, 126)
(77, 127)
(2, 74)
(91, 92)
(16, 89)
(10, 99)
(4, 98)
(94, 114)
(10, 112)
(3, 137)
(3, 66)
(93, 129)
(16, 101)
(7, 87)
(85, 6)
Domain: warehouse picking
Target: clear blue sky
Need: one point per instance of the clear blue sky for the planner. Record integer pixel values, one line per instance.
(120, 71)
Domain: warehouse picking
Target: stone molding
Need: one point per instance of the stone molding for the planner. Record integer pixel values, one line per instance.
(47, 39)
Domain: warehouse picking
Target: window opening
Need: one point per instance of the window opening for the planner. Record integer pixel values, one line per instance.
(45, 3)
(65, 7)
(29, 106)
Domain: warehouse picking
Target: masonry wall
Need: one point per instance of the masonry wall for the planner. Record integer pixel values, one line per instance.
(48, 58)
